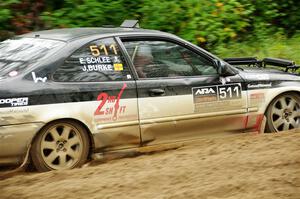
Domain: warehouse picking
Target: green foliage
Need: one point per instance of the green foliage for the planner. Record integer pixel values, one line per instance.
(217, 22)
(86, 13)
(212, 24)
(167, 15)
(278, 46)
(5, 12)
(205, 22)
(5, 17)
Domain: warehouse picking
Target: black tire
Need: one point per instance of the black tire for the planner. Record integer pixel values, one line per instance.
(60, 145)
(283, 113)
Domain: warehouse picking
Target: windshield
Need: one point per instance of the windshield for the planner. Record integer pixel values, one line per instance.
(20, 53)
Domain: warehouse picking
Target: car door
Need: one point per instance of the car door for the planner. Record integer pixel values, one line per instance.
(98, 79)
(180, 93)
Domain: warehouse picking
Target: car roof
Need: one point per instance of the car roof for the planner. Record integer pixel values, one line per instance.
(68, 34)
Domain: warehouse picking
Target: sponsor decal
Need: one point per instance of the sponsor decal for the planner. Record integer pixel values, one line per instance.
(268, 85)
(118, 67)
(104, 58)
(128, 76)
(217, 93)
(229, 92)
(38, 79)
(101, 67)
(116, 59)
(102, 63)
(258, 76)
(95, 60)
(256, 99)
(102, 49)
(202, 91)
(114, 109)
(13, 73)
(205, 94)
(257, 96)
(217, 98)
(12, 102)
(14, 110)
(120, 118)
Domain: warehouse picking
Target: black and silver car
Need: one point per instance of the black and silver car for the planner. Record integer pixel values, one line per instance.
(68, 93)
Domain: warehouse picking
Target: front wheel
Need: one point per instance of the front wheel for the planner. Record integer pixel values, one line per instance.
(283, 113)
(60, 145)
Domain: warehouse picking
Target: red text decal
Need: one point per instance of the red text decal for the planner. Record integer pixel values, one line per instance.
(113, 110)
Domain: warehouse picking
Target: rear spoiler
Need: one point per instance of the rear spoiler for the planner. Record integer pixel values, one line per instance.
(253, 61)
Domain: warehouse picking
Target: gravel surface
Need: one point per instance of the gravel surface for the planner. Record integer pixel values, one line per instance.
(236, 166)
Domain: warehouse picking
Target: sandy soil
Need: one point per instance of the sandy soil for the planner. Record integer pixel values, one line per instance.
(239, 166)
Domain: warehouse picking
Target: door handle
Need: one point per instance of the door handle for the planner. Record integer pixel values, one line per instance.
(156, 92)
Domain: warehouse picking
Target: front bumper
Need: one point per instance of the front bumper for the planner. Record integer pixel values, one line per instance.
(15, 140)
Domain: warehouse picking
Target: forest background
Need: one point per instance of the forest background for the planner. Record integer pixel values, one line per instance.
(261, 28)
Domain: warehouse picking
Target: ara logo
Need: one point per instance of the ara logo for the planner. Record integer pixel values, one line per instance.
(203, 91)
(38, 79)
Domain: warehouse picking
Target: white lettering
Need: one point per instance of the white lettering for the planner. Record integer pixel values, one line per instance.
(82, 61)
(95, 60)
(100, 67)
(258, 76)
(15, 101)
(37, 79)
(203, 91)
(259, 85)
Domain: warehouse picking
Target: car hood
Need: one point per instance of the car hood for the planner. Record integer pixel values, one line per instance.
(263, 74)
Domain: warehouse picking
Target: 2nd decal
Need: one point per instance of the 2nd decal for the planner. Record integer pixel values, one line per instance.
(113, 110)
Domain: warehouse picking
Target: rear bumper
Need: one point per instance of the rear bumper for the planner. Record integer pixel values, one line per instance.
(15, 140)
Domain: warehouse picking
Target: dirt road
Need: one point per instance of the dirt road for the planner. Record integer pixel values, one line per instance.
(239, 166)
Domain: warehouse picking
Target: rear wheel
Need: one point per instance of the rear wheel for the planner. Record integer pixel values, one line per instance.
(283, 113)
(60, 145)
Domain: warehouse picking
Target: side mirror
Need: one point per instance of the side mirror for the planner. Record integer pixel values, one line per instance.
(223, 68)
(219, 66)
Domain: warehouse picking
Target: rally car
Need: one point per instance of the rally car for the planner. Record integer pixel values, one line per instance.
(68, 93)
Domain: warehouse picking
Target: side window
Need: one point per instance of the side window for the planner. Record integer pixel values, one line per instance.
(97, 61)
(166, 59)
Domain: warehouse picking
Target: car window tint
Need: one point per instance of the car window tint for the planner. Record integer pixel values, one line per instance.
(20, 53)
(166, 59)
(98, 61)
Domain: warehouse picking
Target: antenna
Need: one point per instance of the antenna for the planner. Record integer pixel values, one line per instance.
(130, 24)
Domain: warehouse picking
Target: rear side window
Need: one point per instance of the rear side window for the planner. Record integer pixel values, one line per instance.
(20, 53)
(97, 61)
